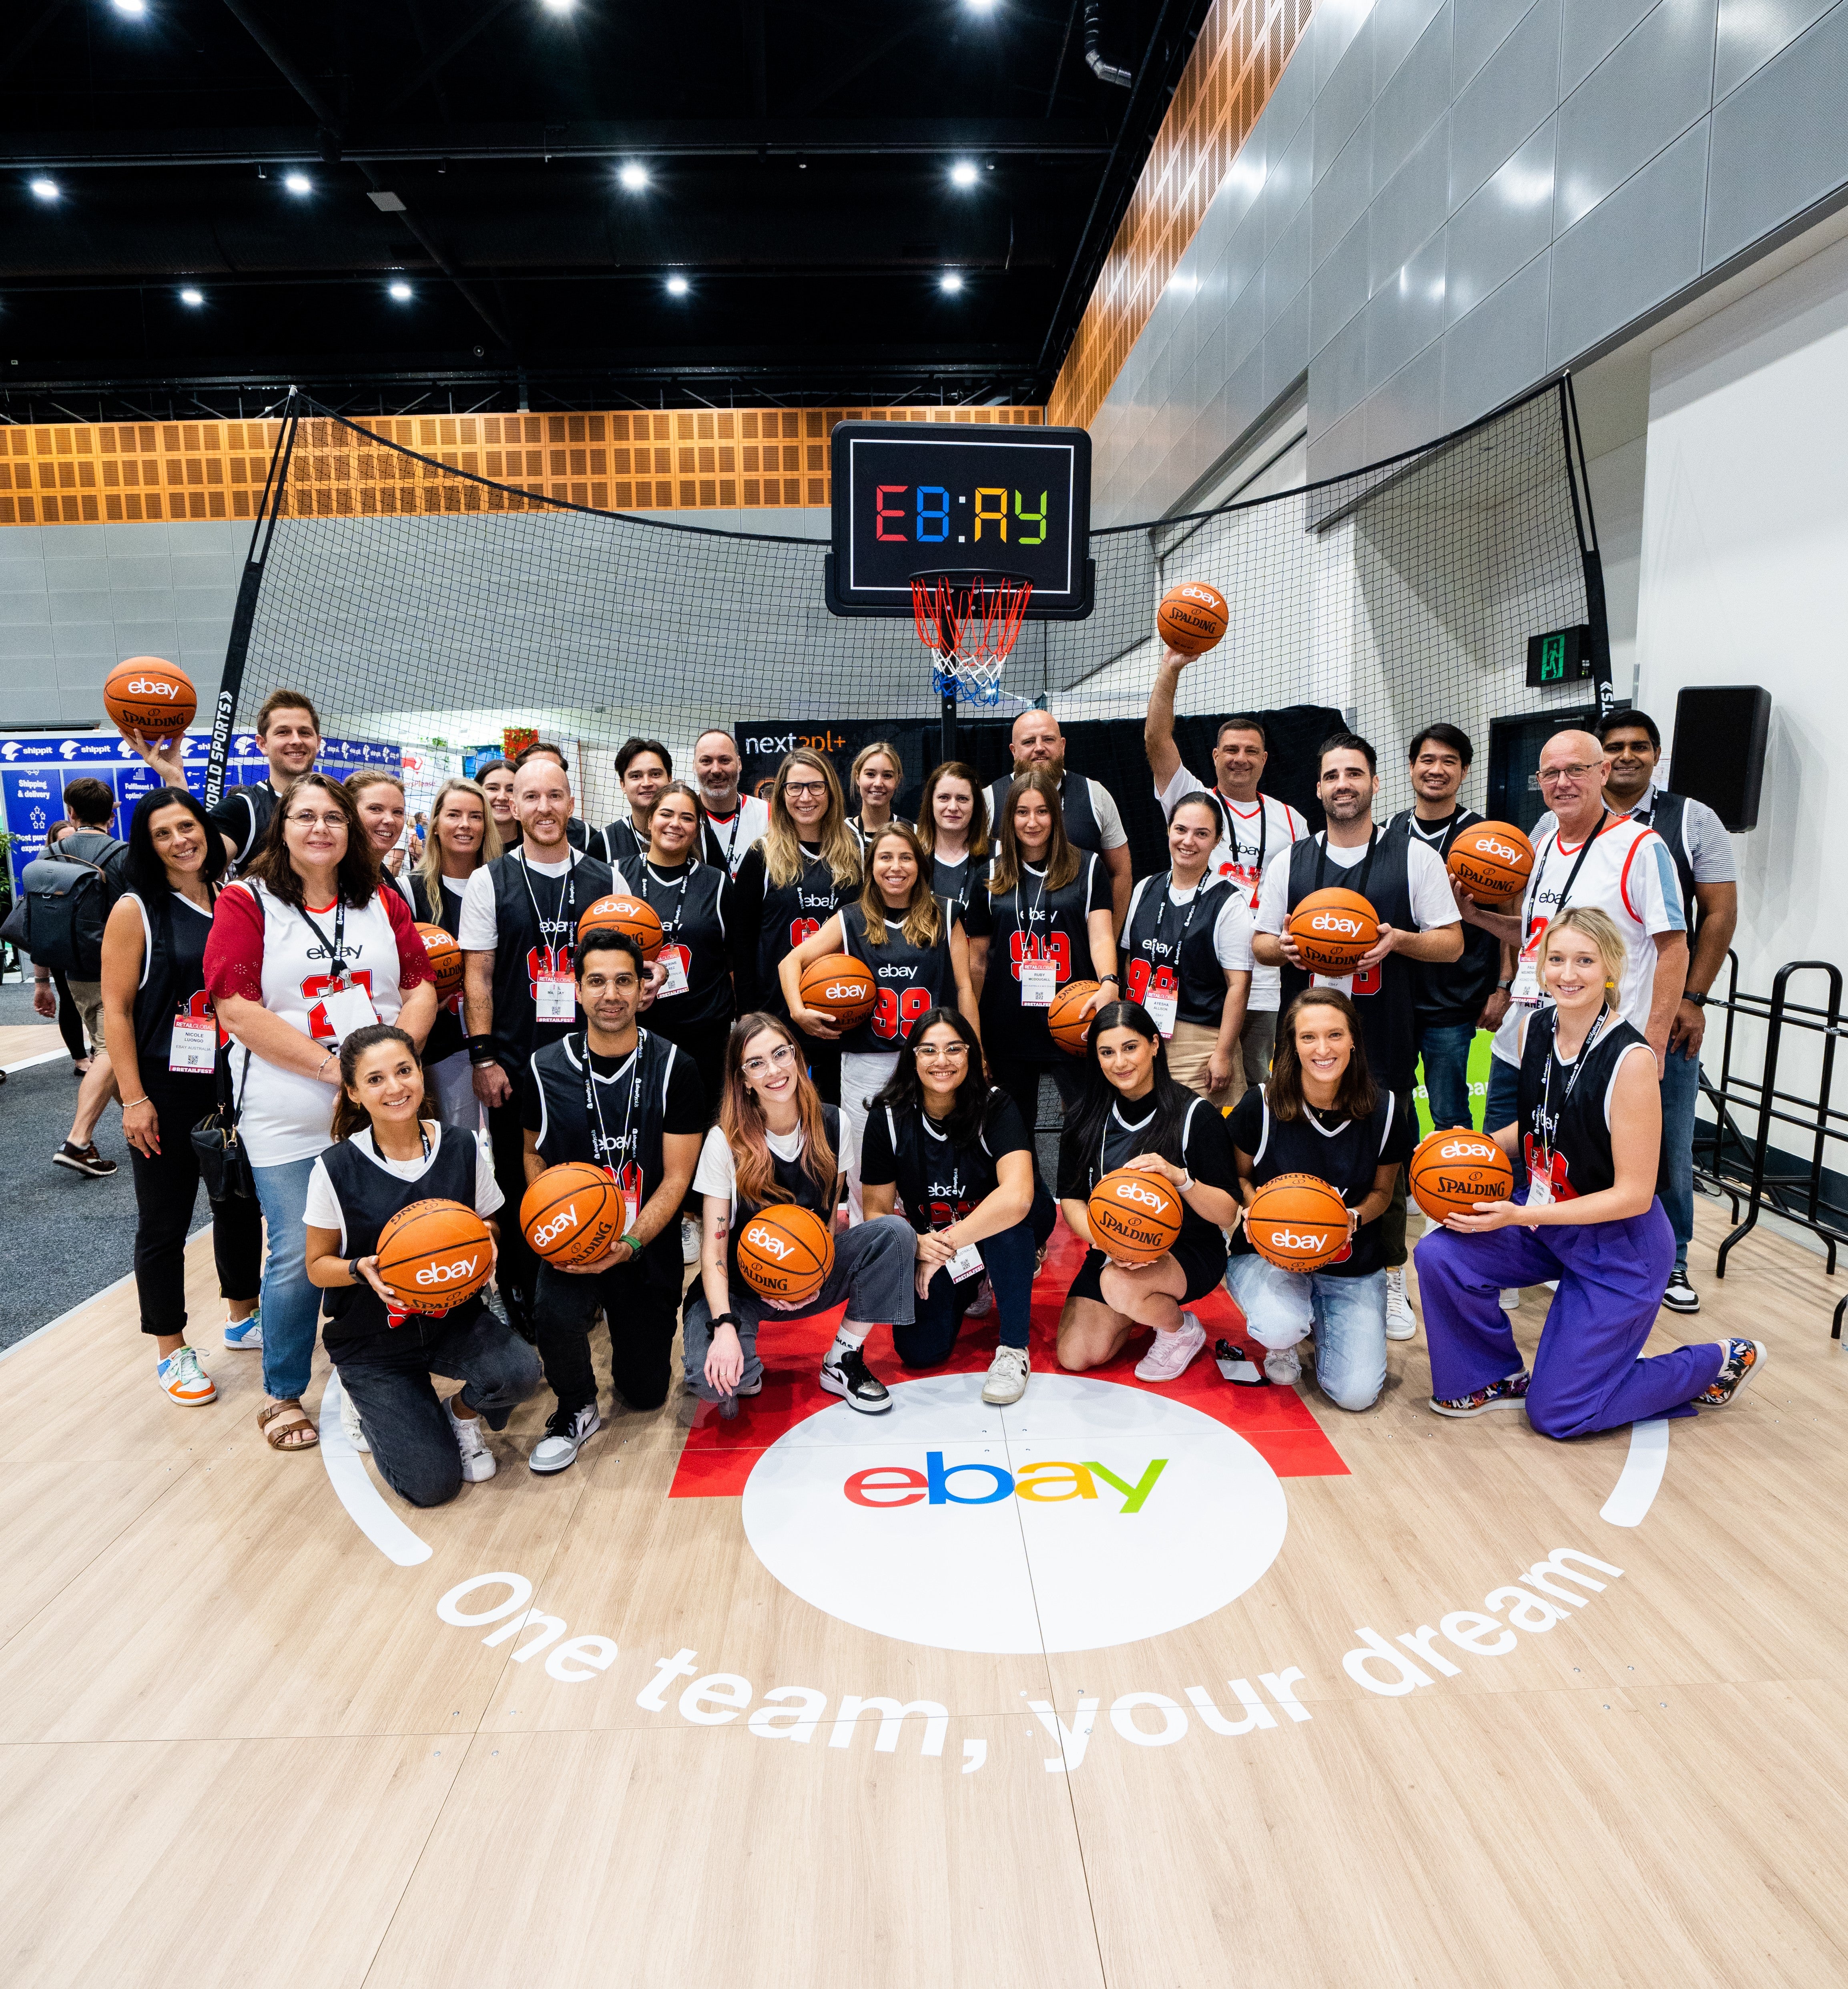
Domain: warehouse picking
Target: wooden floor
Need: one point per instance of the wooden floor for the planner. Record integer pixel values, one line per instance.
(20, 1041)
(238, 1743)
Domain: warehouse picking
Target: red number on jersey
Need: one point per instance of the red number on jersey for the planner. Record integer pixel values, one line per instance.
(1055, 946)
(802, 929)
(1142, 976)
(1367, 982)
(546, 963)
(199, 1009)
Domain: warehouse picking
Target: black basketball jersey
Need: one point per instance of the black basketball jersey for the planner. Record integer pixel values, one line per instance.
(690, 903)
(535, 926)
(1346, 1153)
(1169, 948)
(1384, 994)
(369, 1197)
(1082, 829)
(447, 1033)
(955, 881)
(245, 814)
(1565, 1124)
(911, 979)
(1199, 1143)
(939, 1180)
(1030, 922)
(791, 913)
(794, 1184)
(619, 845)
(1447, 992)
(173, 976)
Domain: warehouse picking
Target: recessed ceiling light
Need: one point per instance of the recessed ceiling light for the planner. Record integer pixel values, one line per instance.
(134, 9)
(634, 175)
(677, 286)
(558, 6)
(45, 189)
(951, 281)
(298, 183)
(192, 297)
(399, 293)
(963, 173)
(981, 6)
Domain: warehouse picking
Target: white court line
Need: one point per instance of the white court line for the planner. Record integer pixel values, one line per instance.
(83, 1304)
(365, 1505)
(1642, 1474)
(26, 1063)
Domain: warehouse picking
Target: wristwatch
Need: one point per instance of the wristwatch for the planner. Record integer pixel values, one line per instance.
(1504, 986)
(1699, 1000)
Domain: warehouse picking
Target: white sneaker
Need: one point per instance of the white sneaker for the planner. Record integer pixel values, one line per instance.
(566, 1432)
(350, 1422)
(1168, 1358)
(472, 1440)
(982, 1304)
(246, 1332)
(1008, 1374)
(1283, 1365)
(689, 1240)
(187, 1382)
(1401, 1321)
(1510, 1300)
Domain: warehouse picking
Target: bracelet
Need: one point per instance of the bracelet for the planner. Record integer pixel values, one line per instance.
(1187, 1183)
(333, 1056)
(634, 1242)
(129, 1104)
(724, 1319)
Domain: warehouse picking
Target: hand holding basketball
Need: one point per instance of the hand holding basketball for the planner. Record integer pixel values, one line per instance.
(1192, 618)
(149, 696)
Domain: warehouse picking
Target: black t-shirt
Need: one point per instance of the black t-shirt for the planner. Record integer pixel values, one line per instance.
(1340, 1151)
(1200, 1147)
(243, 813)
(939, 1181)
(1448, 992)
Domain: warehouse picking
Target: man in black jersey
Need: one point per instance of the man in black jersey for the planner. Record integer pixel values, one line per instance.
(618, 1097)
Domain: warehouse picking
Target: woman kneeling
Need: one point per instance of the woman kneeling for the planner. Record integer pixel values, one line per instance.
(1133, 1114)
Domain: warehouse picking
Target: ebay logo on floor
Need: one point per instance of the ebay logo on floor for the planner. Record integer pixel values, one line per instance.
(883, 1485)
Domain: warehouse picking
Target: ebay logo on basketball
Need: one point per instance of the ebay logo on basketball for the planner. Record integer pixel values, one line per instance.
(1489, 847)
(152, 687)
(767, 1241)
(1288, 1239)
(1134, 1191)
(844, 990)
(550, 1232)
(1343, 923)
(884, 1486)
(448, 1274)
(1190, 592)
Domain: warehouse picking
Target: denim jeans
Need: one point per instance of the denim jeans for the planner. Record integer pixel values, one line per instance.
(1347, 1316)
(1504, 1108)
(1680, 1093)
(405, 1423)
(1008, 1258)
(1445, 1048)
(292, 1306)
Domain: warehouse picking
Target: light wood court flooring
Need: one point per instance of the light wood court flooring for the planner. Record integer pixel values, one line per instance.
(239, 1743)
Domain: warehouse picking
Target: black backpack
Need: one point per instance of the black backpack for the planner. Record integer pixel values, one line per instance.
(64, 902)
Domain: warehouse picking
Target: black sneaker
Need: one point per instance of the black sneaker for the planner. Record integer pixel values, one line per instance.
(1744, 1359)
(1680, 1296)
(846, 1374)
(566, 1432)
(83, 1160)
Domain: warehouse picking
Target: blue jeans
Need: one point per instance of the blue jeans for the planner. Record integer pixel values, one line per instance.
(1445, 1048)
(1504, 1108)
(1008, 1259)
(1346, 1315)
(1680, 1093)
(292, 1306)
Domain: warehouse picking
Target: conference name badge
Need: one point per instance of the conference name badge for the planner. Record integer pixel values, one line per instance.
(195, 1044)
(1162, 1006)
(555, 997)
(1343, 981)
(347, 1007)
(673, 958)
(1039, 983)
(966, 1263)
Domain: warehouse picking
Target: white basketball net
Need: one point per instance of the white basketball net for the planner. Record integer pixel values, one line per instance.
(969, 629)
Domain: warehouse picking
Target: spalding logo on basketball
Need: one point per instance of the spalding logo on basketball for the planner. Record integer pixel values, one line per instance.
(1134, 1215)
(1192, 618)
(1452, 1171)
(1333, 928)
(1492, 861)
(1297, 1222)
(149, 696)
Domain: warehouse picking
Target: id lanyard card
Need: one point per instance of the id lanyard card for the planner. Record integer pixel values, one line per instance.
(1039, 977)
(195, 1045)
(1162, 1006)
(966, 1263)
(628, 1177)
(554, 992)
(347, 1007)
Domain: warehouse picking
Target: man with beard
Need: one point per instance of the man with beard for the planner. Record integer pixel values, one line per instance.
(733, 821)
(1093, 820)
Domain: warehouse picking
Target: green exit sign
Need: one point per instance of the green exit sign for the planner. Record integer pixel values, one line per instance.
(1562, 657)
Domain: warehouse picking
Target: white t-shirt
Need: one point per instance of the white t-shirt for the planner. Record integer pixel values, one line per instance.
(734, 834)
(323, 1209)
(1628, 872)
(480, 928)
(1267, 826)
(1231, 930)
(1433, 903)
(716, 1175)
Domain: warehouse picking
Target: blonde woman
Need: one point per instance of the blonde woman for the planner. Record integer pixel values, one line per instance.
(877, 774)
(1590, 1126)
(462, 837)
(380, 799)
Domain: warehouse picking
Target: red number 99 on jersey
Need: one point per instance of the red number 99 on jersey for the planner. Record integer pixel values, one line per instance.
(894, 1013)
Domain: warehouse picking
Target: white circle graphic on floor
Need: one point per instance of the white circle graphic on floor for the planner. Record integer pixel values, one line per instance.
(1087, 1515)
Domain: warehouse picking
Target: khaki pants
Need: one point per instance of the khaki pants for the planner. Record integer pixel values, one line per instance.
(1188, 1049)
(87, 997)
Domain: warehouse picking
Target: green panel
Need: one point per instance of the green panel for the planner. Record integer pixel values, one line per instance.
(1479, 1078)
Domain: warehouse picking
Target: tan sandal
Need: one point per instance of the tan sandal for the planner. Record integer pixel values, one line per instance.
(280, 1437)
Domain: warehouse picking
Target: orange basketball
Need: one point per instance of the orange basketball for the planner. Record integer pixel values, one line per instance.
(1133, 1215)
(786, 1253)
(840, 987)
(1192, 618)
(1333, 928)
(633, 916)
(1452, 1171)
(1070, 1028)
(572, 1214)
(445, 959)
(1492, 862)
(434, 1255)
(1299, 1223)
(148, 695)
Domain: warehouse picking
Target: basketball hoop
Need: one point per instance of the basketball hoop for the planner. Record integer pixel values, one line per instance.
(969, 622)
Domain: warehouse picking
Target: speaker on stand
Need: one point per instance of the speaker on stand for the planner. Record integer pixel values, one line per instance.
(1717, 755)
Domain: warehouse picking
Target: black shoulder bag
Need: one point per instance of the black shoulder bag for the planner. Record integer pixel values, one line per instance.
(224, 1160)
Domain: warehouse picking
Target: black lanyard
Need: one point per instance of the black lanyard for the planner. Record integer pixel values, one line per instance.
(567, 899)
(1026, 926)
(956, 1159)
(670, 926)
(1572, 877)
(737, 829)
(1434, 842)
(1579, 1062)
(1263, 834)
(593, 1105)
(1161, 914)
(337, 957)
(1359, 885)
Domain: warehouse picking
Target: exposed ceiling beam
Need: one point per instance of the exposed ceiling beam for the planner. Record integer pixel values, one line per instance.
(450, 50)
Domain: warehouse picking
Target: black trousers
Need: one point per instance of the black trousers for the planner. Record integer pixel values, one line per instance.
(641, 1301)
(704, 1042)
(166, 1189)
(1020, 1077)
(519, 1268)
(70, 1023)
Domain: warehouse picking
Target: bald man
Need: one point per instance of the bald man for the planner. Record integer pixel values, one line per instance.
(1093, 820)
(1586, 854)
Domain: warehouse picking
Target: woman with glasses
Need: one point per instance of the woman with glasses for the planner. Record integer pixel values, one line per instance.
(951, 1154)
(953, 827)
(805, 868)
(775, 1142)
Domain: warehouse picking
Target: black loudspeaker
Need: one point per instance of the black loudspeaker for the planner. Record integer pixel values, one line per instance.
(1718, 753)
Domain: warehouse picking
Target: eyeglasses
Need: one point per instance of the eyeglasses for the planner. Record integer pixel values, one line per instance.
(1551, 776)
(784, 1053)
(317, 821)
(930, 1051)
(805, 787)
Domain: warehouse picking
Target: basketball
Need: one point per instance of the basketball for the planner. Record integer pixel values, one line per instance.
(1133, 1215)
(149, 696)
(786, 1253)
(1297, 1223)
(434, 1255)
(633, 916)
(1492, 862)
(572, 1214)
(1192, 618)
(1333, 928)
(445, 959)
(840, 987)
(1071, 1028)
(1451, 1171)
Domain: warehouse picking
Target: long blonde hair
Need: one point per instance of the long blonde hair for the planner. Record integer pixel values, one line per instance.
(741, 1118)
(1607, 942)
(923, 921)
(878, 746)
(1061, 859)
(430, 869)
(782, 860)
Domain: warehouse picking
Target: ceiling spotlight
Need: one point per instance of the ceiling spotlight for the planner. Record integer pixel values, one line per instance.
(963, 173)
(981, 6)
(952, 283)
(134, 9)
(557, 6)
(677, 286)
(298, 184)
(45, 189)
(192, 298)
(399, 293)
(634, 175)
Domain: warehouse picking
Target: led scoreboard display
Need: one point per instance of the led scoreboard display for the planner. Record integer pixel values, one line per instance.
(916, 499)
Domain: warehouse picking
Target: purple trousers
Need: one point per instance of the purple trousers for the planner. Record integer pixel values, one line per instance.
(1586, 1376)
